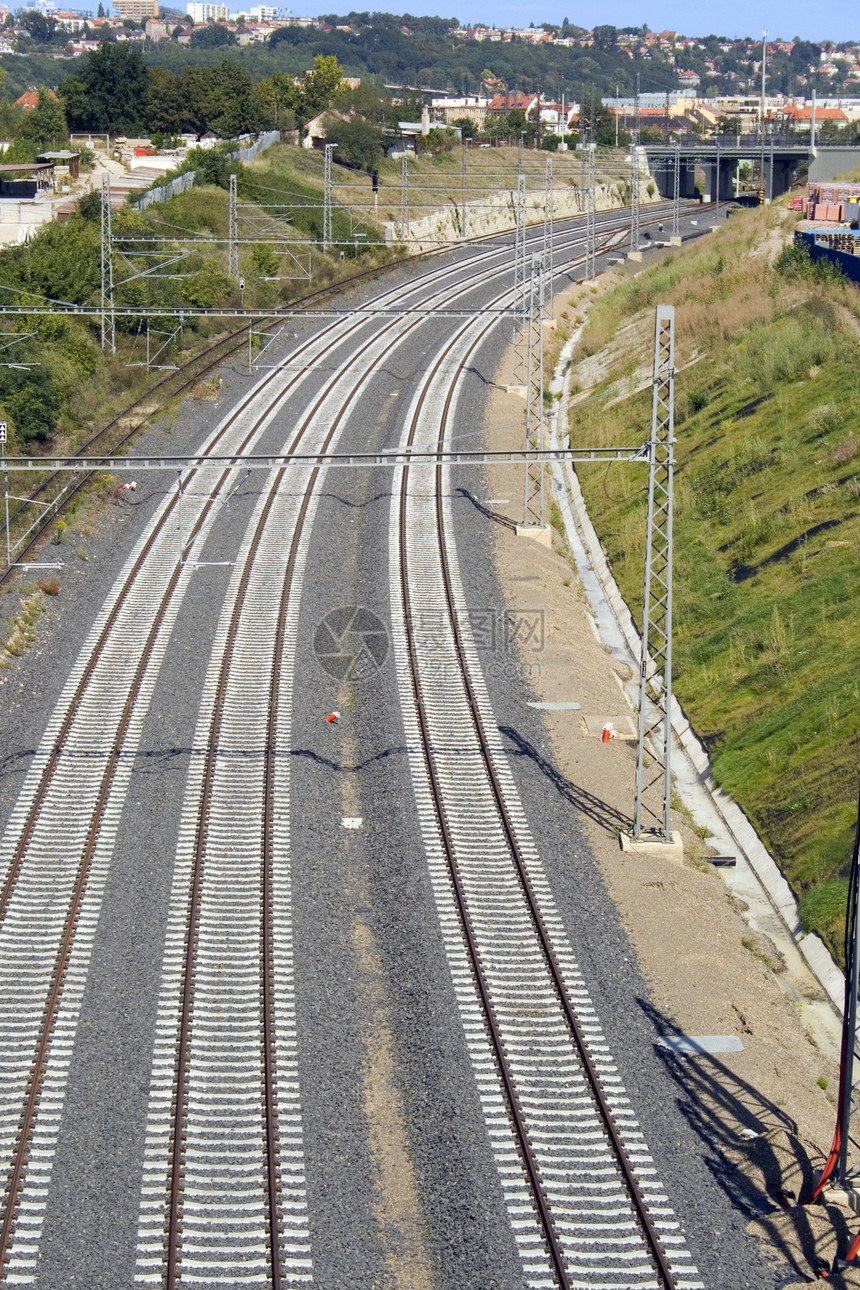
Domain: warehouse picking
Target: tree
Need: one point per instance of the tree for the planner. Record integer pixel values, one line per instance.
(40, 28)
(167, 102)
(46, 124)
(466, 126)
(212, 36)
(318, 88)
(274, 93)
(606, 38)
(109, 92)
(359, 144)
(101, 10)
(29, 400)
(235, 106)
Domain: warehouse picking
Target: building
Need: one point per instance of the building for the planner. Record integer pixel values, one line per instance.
(207, 12)
(30, 98)
(501, 104)
(136, 10)
(795, 115)
(471, 107)
(68, 21)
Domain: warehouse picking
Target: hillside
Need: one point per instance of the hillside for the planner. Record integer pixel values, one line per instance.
(767, 525)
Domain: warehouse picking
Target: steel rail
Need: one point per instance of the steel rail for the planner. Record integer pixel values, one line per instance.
(642, 1213)
(232, 344)
(174, 1224)
(16, 1173)
(640, 1207)
(16, 1176)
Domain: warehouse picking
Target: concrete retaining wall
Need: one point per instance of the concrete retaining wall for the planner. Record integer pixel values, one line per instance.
(496, 213)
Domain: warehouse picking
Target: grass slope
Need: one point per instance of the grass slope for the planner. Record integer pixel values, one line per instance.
(767, 526)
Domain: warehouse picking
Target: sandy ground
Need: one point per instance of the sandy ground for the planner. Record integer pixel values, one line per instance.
(770, 1107)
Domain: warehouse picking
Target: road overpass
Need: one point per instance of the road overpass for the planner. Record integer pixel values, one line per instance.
(780, 158)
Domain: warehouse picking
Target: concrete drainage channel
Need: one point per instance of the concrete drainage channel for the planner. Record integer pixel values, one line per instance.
(811, 977)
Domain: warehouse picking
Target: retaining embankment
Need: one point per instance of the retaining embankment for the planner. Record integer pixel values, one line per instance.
(691, 767)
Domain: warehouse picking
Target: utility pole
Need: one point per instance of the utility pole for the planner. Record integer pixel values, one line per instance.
(107, 308)
(590, 202)
(463, 205)
(763, 74)
(717, 195)
(676, 196)
(519, 357)
(327, 234)
(404, 196)
(636, 118)
(634, 197)
(533, 297)
(654, 782)
(548, 215)
(233, 231)
(634, 176)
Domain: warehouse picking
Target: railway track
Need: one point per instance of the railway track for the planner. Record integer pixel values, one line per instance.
(63, 830)
(224, 1187)
(601, 1216)
(117, 433)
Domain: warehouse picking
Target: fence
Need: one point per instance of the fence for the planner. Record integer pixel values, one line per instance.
(164, 192)
(817, 245)
(184, 181)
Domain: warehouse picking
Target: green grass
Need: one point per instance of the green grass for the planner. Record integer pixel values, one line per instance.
(767, 540)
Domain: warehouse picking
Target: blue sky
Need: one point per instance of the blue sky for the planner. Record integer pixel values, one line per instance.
(835, 21)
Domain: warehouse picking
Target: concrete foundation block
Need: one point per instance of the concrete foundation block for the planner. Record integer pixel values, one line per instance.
(645, 846)
(536, 533)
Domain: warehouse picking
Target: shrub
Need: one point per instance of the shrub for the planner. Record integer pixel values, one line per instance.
(781, 351)
(826, 418)
(845, 452)
(29, 400)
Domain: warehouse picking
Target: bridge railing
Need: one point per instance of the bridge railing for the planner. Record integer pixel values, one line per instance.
(752, 143)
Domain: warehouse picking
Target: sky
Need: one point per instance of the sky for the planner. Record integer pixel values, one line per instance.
(784, 19)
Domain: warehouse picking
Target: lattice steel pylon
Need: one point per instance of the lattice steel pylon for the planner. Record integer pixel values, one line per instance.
(548, 217)
(635, 174)
(535, 291)
(519, 353)
(107, 309)
(404, 196)
(590, 187)
(651, 812)
(327, 233)
(676, 195)
(233, 230)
